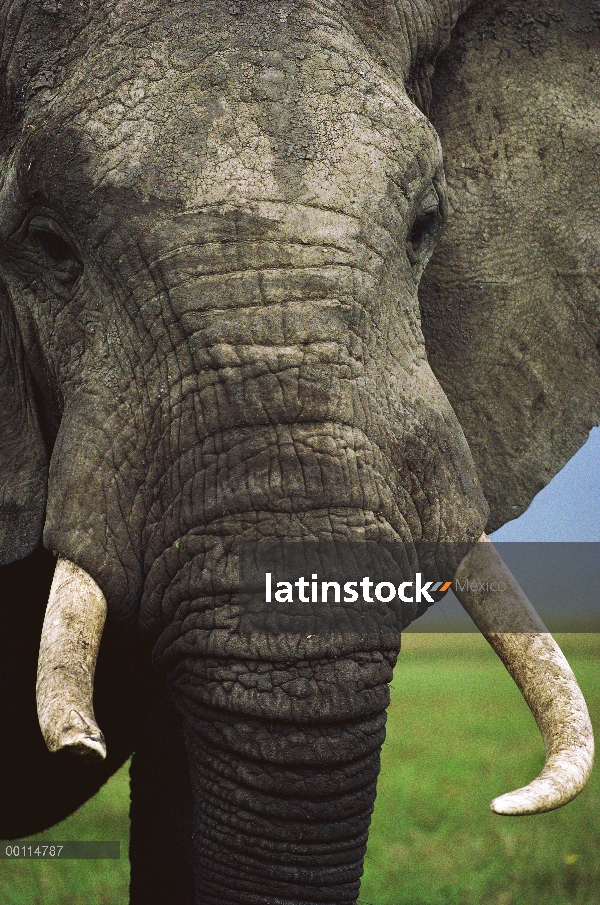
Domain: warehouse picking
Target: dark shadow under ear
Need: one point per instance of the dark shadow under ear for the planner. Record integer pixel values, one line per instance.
(23, 456)
(510, 301)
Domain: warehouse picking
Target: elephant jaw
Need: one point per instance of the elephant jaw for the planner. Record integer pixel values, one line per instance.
(69, 646)
(77, 610)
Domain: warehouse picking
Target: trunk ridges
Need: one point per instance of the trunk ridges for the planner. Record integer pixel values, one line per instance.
(315, 690)
(254, 843)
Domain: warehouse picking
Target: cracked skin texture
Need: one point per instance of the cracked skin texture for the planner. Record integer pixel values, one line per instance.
(214, 218)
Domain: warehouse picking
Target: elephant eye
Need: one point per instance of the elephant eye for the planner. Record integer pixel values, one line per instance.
(423, 233)
(47, 240)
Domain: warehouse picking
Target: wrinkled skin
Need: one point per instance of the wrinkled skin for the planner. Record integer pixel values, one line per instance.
(511, 300)
(213, 223)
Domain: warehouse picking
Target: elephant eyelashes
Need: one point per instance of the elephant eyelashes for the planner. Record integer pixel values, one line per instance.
(50, 245)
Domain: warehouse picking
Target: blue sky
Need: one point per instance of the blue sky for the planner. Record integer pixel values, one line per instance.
(568, 509)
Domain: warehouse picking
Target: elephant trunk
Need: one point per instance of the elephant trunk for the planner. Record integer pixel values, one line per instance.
(281, 811)
(543, 676)
(69, 647)
(283, 734)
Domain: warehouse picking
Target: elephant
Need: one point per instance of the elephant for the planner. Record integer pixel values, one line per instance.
(245, 298)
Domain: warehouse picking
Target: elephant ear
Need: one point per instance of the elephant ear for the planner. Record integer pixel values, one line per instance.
(510, 301)
(23, 457)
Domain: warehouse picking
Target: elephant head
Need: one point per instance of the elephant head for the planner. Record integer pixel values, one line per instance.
(214, 219)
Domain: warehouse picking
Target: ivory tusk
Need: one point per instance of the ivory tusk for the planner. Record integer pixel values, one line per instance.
(69, 645)
(542, 674)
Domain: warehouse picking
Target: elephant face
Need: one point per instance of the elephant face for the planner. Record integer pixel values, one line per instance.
(212, 247)
(214, 218)
(213, 223)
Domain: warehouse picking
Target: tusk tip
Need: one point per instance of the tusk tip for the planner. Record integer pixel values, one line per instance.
(92, 746)
(557, 785)
(514, 805)
(81, 736)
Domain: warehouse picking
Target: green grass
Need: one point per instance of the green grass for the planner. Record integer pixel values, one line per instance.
(458, 734)
(105, 817)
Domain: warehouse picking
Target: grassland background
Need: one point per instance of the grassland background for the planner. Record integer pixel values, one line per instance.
(458, 734)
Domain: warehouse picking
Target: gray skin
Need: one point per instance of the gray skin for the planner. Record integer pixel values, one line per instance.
(214, 218)
(511, 300)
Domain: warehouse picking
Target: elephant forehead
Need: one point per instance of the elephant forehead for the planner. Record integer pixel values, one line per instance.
(287, 120)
